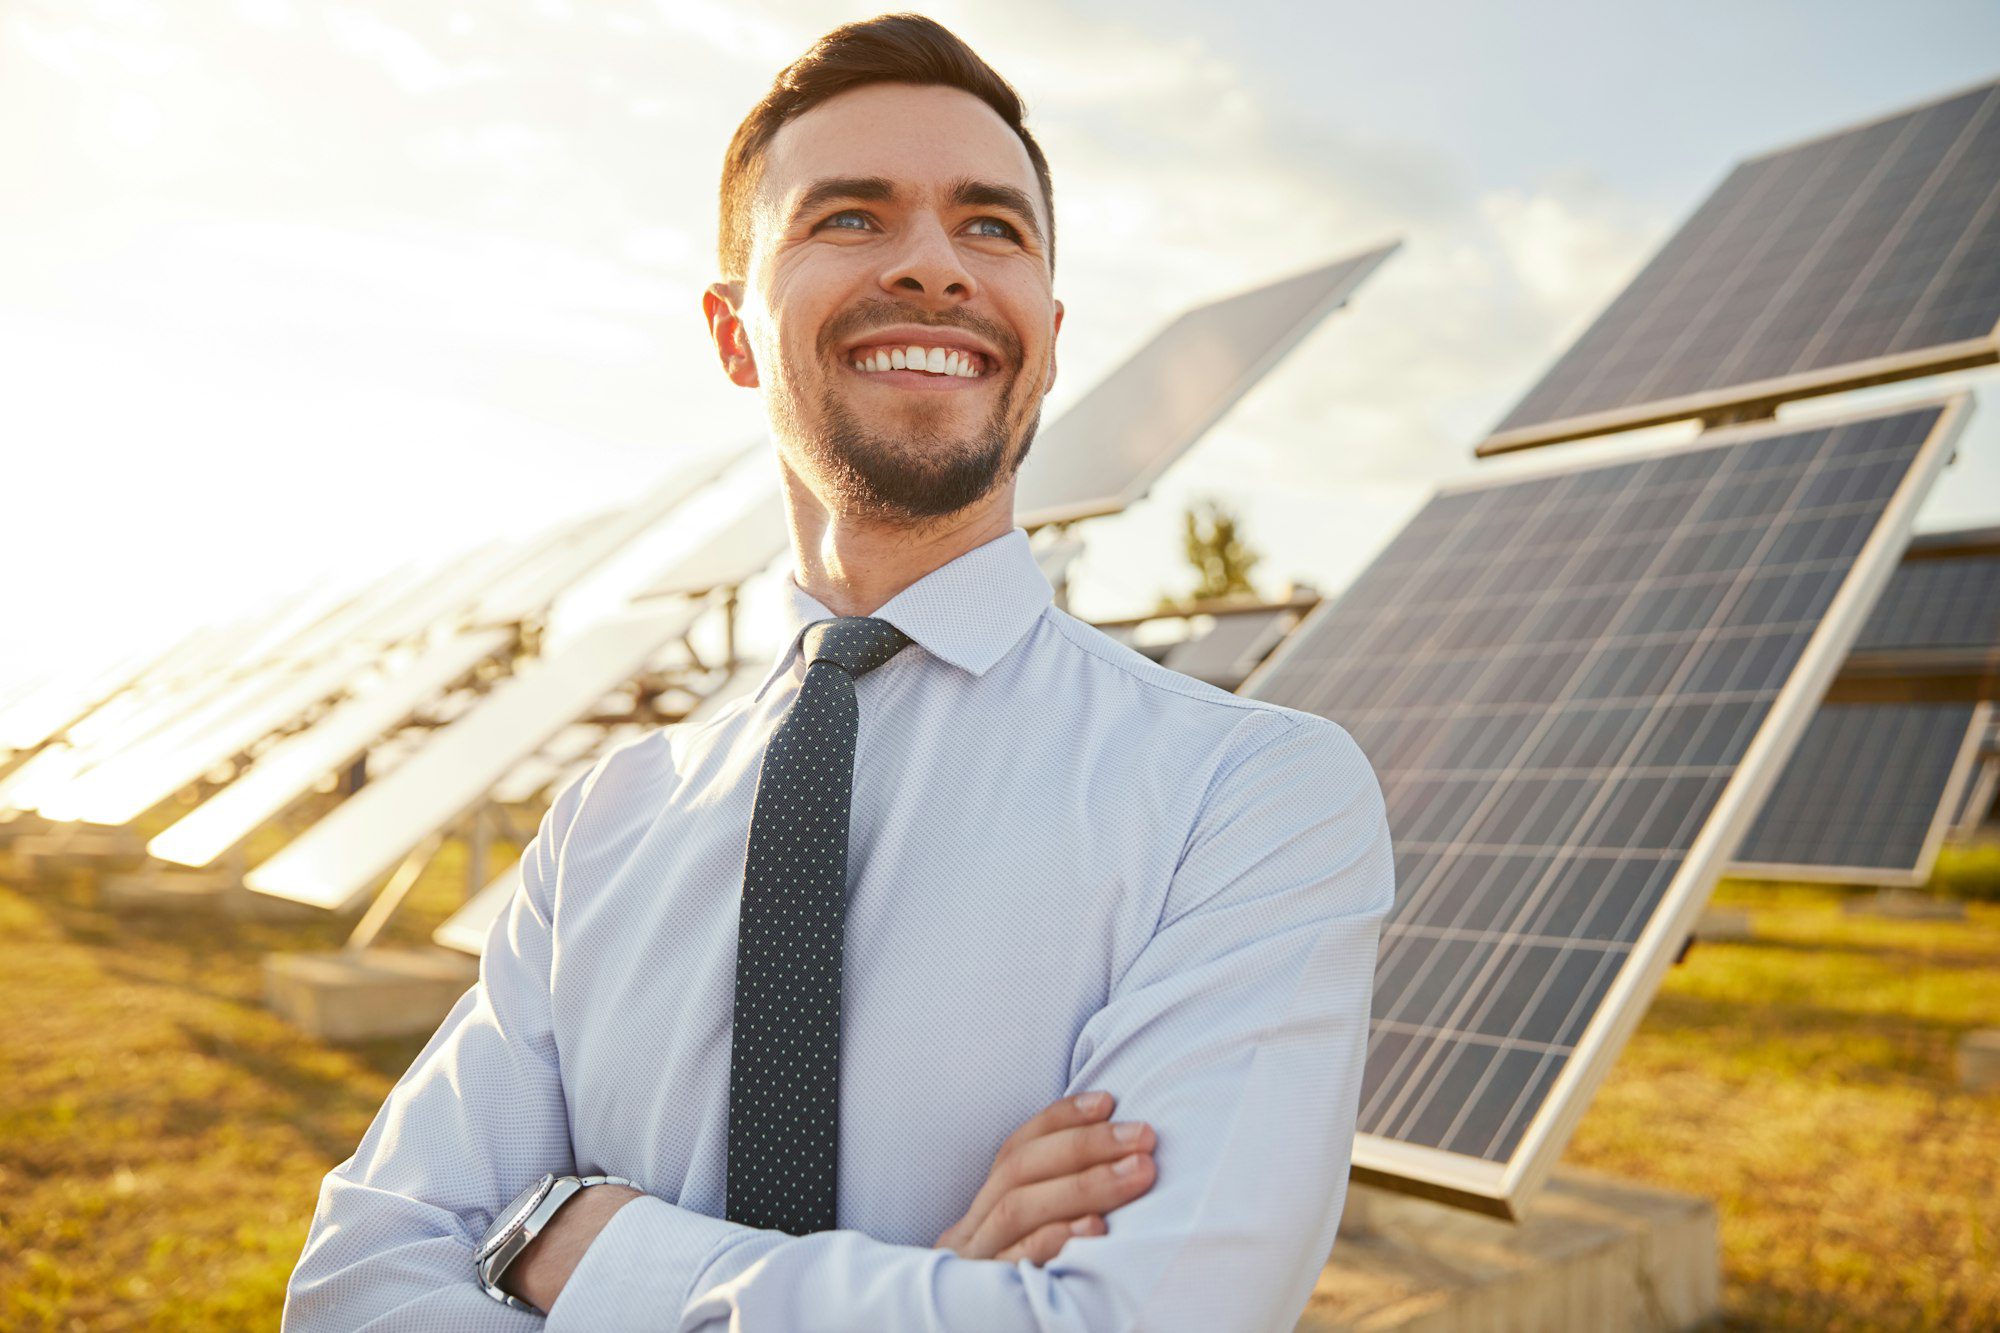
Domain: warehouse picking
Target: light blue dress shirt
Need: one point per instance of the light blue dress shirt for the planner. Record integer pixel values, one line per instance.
(1070, 869)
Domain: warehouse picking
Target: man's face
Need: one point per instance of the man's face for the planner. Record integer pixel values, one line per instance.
(894, 218)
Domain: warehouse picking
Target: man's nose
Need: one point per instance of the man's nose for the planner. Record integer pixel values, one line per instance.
(926, 262)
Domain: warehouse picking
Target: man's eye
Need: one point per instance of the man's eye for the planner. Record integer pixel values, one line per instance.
(1007, 229)
(846, 213)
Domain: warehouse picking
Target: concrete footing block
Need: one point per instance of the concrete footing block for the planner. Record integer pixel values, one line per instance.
(1723, 925)
(1906, 905)
(220, 893)
(1979, 1060)
(46, 857)
(1589, 1252)
(360, 994)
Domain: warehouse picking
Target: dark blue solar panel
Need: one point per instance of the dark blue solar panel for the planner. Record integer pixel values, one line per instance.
(1815, 262)
(1555, 679)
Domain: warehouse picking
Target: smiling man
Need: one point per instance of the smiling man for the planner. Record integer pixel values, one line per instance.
(814, 1015)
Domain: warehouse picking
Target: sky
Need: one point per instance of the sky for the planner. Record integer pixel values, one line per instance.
(294, 292)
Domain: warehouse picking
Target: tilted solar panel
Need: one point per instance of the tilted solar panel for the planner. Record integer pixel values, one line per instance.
(1110, 445)
(1575, 688)
(1227, 652)
(1869, 795)
(1869, 255)
(1937, 603)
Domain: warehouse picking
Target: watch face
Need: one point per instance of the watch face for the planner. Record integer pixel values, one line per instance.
(512, 1216)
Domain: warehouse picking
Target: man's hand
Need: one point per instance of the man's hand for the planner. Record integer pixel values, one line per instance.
(1055, 1178)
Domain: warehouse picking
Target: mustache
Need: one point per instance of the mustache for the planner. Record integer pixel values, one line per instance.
(858, 321)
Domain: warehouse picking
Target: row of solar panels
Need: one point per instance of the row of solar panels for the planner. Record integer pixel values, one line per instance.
(401, 679)
(1578, 685)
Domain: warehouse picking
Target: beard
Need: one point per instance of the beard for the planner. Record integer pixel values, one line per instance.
(911, 471)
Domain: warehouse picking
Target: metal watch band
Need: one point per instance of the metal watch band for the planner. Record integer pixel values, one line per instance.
(498, 1254)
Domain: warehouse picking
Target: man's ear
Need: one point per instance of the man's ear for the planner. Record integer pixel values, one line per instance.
(719, 306)
(1055, 331)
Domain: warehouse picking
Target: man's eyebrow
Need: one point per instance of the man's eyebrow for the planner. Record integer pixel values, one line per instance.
(829, 189)
(968, 193)
(964, 192)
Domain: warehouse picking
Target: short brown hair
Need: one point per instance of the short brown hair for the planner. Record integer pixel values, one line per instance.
(892, 48)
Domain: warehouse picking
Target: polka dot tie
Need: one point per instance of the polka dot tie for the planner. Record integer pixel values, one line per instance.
(784, 1060)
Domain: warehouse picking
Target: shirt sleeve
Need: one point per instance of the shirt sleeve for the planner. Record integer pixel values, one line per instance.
(479, 1114)
(1238, 1032)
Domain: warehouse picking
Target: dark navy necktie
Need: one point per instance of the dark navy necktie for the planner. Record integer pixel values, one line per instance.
(784, 1070)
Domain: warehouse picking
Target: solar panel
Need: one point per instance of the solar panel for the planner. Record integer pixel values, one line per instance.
(1935, 604)
(288, 770)
(1575, 687)
(1106, 450)
(573, 745)
(530, 590)
(466, 929)
(136, 780)
(334, 863)
(1227, 652)
(1869, 255)
(725, 555)
(1868, 797)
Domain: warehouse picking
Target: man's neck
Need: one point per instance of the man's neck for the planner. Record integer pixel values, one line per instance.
(853, 566)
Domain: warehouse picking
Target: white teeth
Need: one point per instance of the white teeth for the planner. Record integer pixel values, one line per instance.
(933, 360)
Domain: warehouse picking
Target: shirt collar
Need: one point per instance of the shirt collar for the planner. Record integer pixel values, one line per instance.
(968, 611)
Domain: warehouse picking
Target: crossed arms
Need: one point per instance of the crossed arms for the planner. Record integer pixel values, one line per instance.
(1237, 1033)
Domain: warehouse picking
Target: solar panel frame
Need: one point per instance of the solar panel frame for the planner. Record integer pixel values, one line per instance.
(1500, 1186)
(1973, 811)
(1900, 737)
(1739, 196)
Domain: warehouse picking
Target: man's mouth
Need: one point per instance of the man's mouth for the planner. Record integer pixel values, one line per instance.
(913, 363)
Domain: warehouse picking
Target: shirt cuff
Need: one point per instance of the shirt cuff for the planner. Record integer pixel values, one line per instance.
(639, 1271)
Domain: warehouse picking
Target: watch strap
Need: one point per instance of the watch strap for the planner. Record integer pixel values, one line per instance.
(495, 1265)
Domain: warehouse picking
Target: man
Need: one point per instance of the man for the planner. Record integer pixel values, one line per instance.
(847, 980)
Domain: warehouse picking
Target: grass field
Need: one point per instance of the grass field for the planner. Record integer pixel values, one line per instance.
(162, 1135)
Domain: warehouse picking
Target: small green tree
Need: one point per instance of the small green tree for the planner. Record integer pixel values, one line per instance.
(1214, 545)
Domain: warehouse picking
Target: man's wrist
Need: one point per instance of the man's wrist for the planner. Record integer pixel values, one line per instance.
(544, 1267)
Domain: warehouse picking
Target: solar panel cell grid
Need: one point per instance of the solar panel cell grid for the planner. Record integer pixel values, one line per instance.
(1937, 603)
(1556, 678)
(1806, 269)
(1867, 794)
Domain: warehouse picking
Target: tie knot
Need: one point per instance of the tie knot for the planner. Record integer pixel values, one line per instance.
(855, 644)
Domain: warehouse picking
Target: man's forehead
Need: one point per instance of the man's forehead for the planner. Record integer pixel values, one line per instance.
(921, 138)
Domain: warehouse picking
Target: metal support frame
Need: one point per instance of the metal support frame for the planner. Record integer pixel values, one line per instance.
(392, 894)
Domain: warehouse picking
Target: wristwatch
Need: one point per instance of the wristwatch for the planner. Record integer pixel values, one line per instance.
(520, 1222)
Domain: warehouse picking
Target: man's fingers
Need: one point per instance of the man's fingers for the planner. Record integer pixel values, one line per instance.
(1068, 1113)
(1082, 1109)
(1047, 1241)
(1022, 1211)
(1069, 1151)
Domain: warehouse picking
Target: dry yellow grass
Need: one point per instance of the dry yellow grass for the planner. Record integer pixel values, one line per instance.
(162, 1135)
